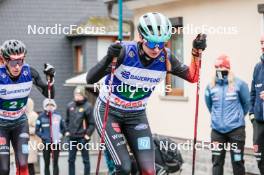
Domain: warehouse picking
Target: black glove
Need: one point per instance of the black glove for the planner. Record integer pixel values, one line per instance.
(49, 70)
(200, 42)
(114, 50)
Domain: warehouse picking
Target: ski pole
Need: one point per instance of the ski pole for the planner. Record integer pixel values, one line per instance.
(102, 141)
(196, 113)
(50, 116)
(113, 66)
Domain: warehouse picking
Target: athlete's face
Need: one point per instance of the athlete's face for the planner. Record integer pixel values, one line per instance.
(14, 64)
(262, 43)
(152, 52)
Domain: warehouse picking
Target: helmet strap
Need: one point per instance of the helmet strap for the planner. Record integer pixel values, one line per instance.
(168, 63)
(141, 51)
(9, 73)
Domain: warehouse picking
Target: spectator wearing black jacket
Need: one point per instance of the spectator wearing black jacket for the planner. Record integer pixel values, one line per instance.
(79, 128)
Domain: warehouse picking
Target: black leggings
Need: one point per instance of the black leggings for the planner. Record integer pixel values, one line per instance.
(132, 127)
(47, 153)
(18, 135)
(235, 137)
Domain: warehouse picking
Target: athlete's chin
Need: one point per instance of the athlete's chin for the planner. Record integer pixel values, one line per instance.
(16, 73)
(154, 55)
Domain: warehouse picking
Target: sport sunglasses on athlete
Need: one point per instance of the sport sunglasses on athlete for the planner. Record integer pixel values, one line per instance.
(15, 62)
(153, 45)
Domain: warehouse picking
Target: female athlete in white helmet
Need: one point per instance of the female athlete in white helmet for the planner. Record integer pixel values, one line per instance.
(140, 67)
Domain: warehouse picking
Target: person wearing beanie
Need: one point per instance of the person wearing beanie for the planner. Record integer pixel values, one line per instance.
(43, 130)
(79, 128)
(256, 111)
(227, 99)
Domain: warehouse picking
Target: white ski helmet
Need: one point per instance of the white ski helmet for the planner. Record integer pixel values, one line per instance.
(155, 27)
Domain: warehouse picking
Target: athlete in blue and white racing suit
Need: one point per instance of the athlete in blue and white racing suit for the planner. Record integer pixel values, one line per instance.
(140, 67)
(16, 79)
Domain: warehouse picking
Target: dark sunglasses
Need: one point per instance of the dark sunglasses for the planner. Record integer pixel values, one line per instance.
(15, 62)
(153, 45)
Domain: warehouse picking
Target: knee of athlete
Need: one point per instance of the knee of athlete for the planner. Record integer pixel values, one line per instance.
(123, 169)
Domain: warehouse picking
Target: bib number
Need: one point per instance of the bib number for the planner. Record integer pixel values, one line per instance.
(14, 105)
(134, 94)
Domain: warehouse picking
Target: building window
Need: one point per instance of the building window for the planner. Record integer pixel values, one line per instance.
(78, 66)
(176, 46)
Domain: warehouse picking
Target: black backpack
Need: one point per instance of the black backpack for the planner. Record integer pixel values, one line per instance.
(167, 159)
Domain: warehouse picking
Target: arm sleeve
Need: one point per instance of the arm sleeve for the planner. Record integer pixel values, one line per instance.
(208, 99)
(41, 86)
(103, 68)
(252, 94)
(189, 73)
(90, 121)
(244, 97)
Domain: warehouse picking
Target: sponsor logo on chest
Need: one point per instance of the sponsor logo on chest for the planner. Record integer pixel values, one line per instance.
(15, 91)
(128, 75)
(10, 91)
